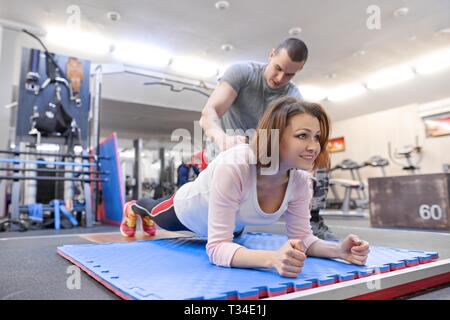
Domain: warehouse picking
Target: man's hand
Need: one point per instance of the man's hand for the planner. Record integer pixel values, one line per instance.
(354, 250)
(290, 258)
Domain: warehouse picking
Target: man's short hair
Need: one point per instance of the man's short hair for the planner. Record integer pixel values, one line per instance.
(295, 48)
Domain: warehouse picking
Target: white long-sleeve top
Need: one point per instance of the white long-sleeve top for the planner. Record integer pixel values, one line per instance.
(223, 199)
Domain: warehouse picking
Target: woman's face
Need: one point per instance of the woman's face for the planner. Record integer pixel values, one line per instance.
(300, 144)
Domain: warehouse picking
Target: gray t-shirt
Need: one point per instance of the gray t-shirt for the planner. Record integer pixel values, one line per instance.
(254, 95)
(253, 98)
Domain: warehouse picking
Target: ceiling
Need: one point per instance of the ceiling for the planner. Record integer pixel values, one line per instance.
(333, 30)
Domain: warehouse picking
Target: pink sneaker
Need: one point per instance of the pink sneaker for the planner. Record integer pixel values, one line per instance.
(149, 226)
(128, 225)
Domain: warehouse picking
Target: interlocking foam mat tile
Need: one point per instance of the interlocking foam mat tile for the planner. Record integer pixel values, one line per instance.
(173, 269)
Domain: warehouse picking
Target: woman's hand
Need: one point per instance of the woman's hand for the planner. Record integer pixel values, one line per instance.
(354, 250)
(289, 259)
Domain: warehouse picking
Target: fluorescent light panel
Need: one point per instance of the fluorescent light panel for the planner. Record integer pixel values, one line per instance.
(312, 93)
(194, 67)
(79, 41)
(346, 92)
(433, 62)
(141, 54)
(389, 76)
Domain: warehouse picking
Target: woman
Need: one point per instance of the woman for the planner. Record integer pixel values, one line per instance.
(253, 185)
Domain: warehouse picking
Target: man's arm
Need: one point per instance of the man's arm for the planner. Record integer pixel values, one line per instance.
(218, 103)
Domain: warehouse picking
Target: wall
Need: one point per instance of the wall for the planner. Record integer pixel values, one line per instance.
(368, 135)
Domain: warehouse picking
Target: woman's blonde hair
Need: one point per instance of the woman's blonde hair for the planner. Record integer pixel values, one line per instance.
(277, 116)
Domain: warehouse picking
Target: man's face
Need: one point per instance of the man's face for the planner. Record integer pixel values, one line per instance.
(281, 69)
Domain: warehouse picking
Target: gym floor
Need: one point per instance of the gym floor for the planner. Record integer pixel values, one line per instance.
(31, 268)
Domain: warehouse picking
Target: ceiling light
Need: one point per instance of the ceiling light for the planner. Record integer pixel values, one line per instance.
(346, 92)
(359, 53)
(401, 12)
(312, 93)
(433, 62)
(227, 47)
(194, 67)
(295, 31)
(113, 16)
(78, 41)
(141, 54)
(445, 31)
(222, 5)
(389, 76)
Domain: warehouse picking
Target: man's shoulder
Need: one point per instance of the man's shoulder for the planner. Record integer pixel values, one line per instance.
(292, 90)
(249, 66)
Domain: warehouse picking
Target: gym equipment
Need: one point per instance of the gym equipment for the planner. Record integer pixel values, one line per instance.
(446, 168)
(103, 171)
(58, 209)
(412, 201)
(377, 162)
(84, 177)
(112, 192)
(354, 167)
(75, 76)
(412, 155)
(32, 79)
(74, 172)
(57, 108)
(36, 212)
(64, 155)
(59, 217)
(347, 203)
(52, 178)
(53, 163)
(54, 103)
(151, 269)
(178, 89)
(54, 119)
(356, 184)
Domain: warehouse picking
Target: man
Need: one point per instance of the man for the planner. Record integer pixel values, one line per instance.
(242, 96)
(186, 172)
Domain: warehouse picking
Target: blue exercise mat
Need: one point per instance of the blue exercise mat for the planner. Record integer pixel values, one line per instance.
(173, 269)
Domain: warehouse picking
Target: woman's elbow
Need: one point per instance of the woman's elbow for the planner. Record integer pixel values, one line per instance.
(210, 251)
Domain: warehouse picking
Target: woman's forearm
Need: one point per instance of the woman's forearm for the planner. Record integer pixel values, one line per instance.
(247, 258)
(324, 249)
